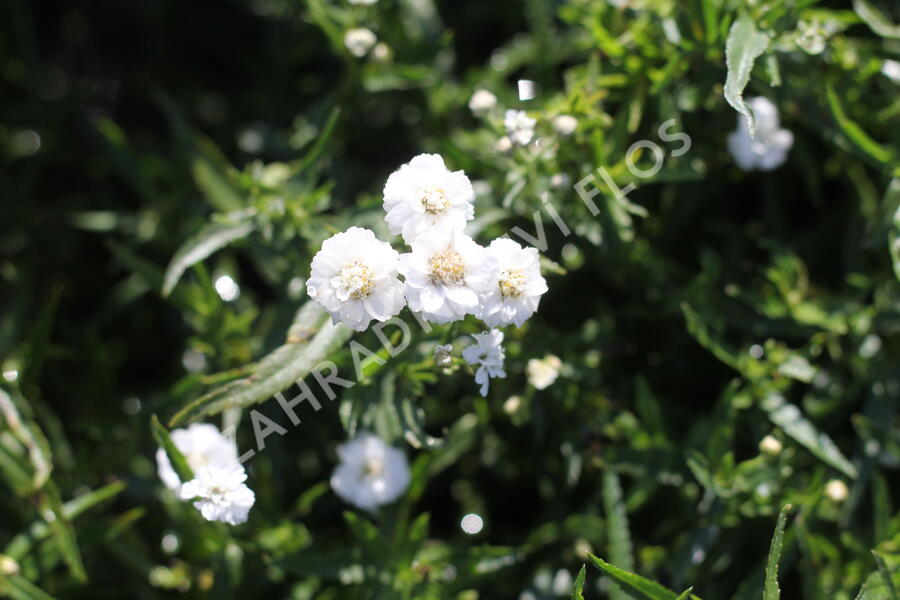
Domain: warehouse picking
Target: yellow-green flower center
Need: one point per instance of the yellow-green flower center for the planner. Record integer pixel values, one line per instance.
(512, 283)
(447, 268)
(434, 201)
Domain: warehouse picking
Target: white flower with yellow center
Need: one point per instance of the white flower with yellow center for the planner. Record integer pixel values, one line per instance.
(220, 494)
(423, 196)
(202, 445)
(519, 126)
(447, 274)
(370, 473)
(354, 278)
(518, 285)
(768, 150)
(487, 352)
(542, 372)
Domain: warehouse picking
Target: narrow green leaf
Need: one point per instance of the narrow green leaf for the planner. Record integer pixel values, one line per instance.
(321, 140)
(791, 420)
(618, 534)
(61, 528)
(578, 588)
(854, 132)
(886, 576)
(215, 176)
(214, 236)
(164, 441)
(18, 588)
(744, 45)
(771, 590)
(635, 585)
(31, 437)
(876, 21)
(686, 594)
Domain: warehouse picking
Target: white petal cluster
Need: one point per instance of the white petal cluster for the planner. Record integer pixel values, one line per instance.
(354, 278)
(542, 372)
(218, 486)
(370, 473)
(359, 41)
(519, 126)
(482, 102)
(769, 148)
(424, 196)
(516, 286)
(488, 354)
(564, 124)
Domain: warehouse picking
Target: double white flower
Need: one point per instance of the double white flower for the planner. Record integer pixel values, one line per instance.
(769, 148)
(488, 354)
(370, 473)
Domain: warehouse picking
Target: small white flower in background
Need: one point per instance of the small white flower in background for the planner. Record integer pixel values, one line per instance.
(202, 445)
(381, 52)
(219, 493)
(370, 473)
(503, 145)
(442, 355)
(362, 2)
(836, 490)
(359, 41)
(423, 196)
(542, 372)
(519, 126)
(812, 36)
(447, 274)
(560, 180)
(487, 352)
(481, 102)
(354, 278)
(517, 286)
(769, 148)
(770, 446)
(891, 70)
(564, 124)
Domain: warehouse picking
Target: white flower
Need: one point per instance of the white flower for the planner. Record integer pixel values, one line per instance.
(447, 274)
(202, 445)
(565, 124)
(503, 145)
(560, 180)
(769, 148)
(220, 494)
(770, 446)
(519, 126)
(370, 473)
(354, 278)
(423, 196)
(542, 372)
(517, 286)
(359, 41)
(482, 101)
(442, 355)
(362, 2)
(487, 352)
(836, 490)
(891, 70)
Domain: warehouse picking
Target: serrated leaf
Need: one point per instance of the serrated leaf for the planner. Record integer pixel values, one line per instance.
(854, 132)
(578, 586)
(634, 585)
(876, 21)
(744, 45)
(164, 441)
(618, 534)
(211, 238)
(771, 590)
(800, 429)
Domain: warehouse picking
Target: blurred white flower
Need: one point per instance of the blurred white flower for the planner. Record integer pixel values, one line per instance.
(354, 278)
(370, 473)
(891, 70)
(836, 490)
(516, 287)
(487, 352)
(519, 126)
(362, 2)
(560, 180)
(542, 372)
(424, 196)
(359, 41)
(769, 148)
(219, 493)
(381, 52)
(447, 274)
(503, 145)
(202, 445)
(482, 101)
(770, 446)
(442, 355)
(565, 124)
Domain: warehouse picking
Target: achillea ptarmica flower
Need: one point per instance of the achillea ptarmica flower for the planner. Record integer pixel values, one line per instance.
(423, 196)
(202, 445)
(542, 372)
(768, 150)
(836, 490)
(517, 286)
(220, 494)
(359, 41)
(447, 274)
(519, 126)
(487, 352)
(565, 124)
(370, 473)
(354, 278)
(481, 102)
(770, 446)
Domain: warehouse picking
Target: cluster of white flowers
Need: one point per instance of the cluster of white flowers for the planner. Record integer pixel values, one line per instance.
(446, 274)
(370, 473)
(769, 148)
(218, 487)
